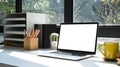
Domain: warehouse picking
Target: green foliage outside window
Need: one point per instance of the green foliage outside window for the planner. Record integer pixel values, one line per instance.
(38, 6)
(7, 6)
(53, 9)
(108, 10)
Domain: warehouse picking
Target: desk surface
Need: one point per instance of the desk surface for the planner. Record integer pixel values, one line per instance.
(22, 58)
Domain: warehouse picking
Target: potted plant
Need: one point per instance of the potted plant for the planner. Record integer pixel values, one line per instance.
(54, 40)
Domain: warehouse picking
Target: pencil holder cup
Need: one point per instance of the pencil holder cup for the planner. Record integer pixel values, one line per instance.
(30, 43)
(54, 40)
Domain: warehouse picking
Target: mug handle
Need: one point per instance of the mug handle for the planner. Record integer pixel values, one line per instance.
(100, 48)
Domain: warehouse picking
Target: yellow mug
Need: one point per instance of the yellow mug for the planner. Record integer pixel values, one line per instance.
(110, 50)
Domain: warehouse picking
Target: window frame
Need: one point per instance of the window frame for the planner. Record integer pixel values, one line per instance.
(18, 6)
(109, 31)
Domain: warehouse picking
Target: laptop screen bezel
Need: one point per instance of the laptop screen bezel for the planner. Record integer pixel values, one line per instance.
(76, 50)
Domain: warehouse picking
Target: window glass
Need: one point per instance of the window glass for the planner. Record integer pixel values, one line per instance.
(53, 9)
(6, 6)
(104, 11)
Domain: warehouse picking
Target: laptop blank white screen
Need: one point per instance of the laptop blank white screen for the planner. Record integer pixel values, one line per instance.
(78, 37)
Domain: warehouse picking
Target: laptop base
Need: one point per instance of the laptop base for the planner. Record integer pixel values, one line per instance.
(64, 56)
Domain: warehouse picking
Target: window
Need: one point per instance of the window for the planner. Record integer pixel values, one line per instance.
(106, 12)
(6, 6)
(53, 9)
(69, 11)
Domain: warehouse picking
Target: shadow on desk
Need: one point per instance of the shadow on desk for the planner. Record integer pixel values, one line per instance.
(6, 65)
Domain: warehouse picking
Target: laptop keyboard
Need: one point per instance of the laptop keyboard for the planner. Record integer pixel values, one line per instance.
(60, 52)
(68, 53)
(64, 55)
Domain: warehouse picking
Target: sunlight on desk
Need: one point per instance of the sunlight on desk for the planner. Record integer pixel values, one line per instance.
(50, 62)
(96, 61)
(22, 58)
(1, 50)
(105, 65)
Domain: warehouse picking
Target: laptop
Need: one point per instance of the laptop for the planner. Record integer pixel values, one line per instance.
(76, 41)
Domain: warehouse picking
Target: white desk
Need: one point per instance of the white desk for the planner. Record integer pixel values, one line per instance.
(22, 58)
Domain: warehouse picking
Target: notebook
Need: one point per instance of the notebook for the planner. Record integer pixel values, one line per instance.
(76, 41)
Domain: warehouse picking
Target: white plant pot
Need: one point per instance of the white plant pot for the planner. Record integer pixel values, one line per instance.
(53, 44)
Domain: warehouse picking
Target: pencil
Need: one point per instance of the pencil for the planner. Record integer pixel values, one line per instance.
(38, 31)
(25, 33)
(32, 33)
